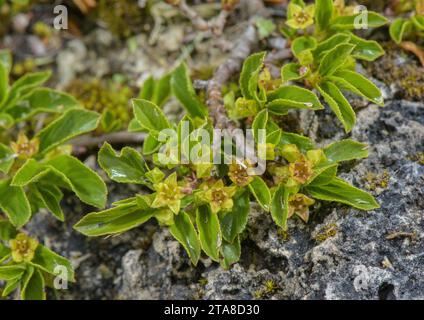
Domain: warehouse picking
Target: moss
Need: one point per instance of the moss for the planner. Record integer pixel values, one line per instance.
(122, 17)
(285, 235)
(373, 181)
(326, 232)
(258, 294)
(268, 287)
(203, 282)
(418, 157)
(408, 77)
(104, 96)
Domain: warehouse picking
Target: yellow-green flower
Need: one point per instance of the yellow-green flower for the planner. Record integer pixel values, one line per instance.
(301, 167)
(168, 194)
(220, 197)
(266, 81)
(25, 148)
(238, 173)
(301, 18)
(299, 204)
(23, 248)
(301, 170)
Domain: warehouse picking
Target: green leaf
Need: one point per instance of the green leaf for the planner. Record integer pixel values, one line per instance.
(52, 263)
(234, 222)
(282, 106)
(150, 145)
(183, 230)
(10, 286)
(249, 75)
(329, 44)
(4, 251)
(86, 183)
(324, 175)
(302, 142)
(7, 158)
(126, 167)
(14, 203)
(297, 95)
(4, 83)
(340, 191)
(25, 85)
(183, 90)
(345, 150)
(230, 252)
(149, 116)
(265, 27)
(259, 123)
(368, 50)
(109, 122)
(274, 137)
(51, 196)
(418, 21)
(358, 84)
(334, 59)
(371, 19)
(6, 121)
(11, 272)
(162, 90)
(25, 279)
(147, 89)
(7, 230)
(291, 71)
(73, 123)
(112, 221)
(31, 171)
(280, 206)
(134, 126)
(399, 28)
(209, 232)
(42, 100)
(302, 44)
(6, 59)
(261, 192)
(323, 13)
(33, 288)
(339, 104)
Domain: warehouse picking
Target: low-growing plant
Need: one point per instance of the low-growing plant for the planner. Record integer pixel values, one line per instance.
(329, 68)
(206, 204)
(33, 173)
(327, 55)
(108, 98)
(195, 180)
(29, 266)
(325, 18)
